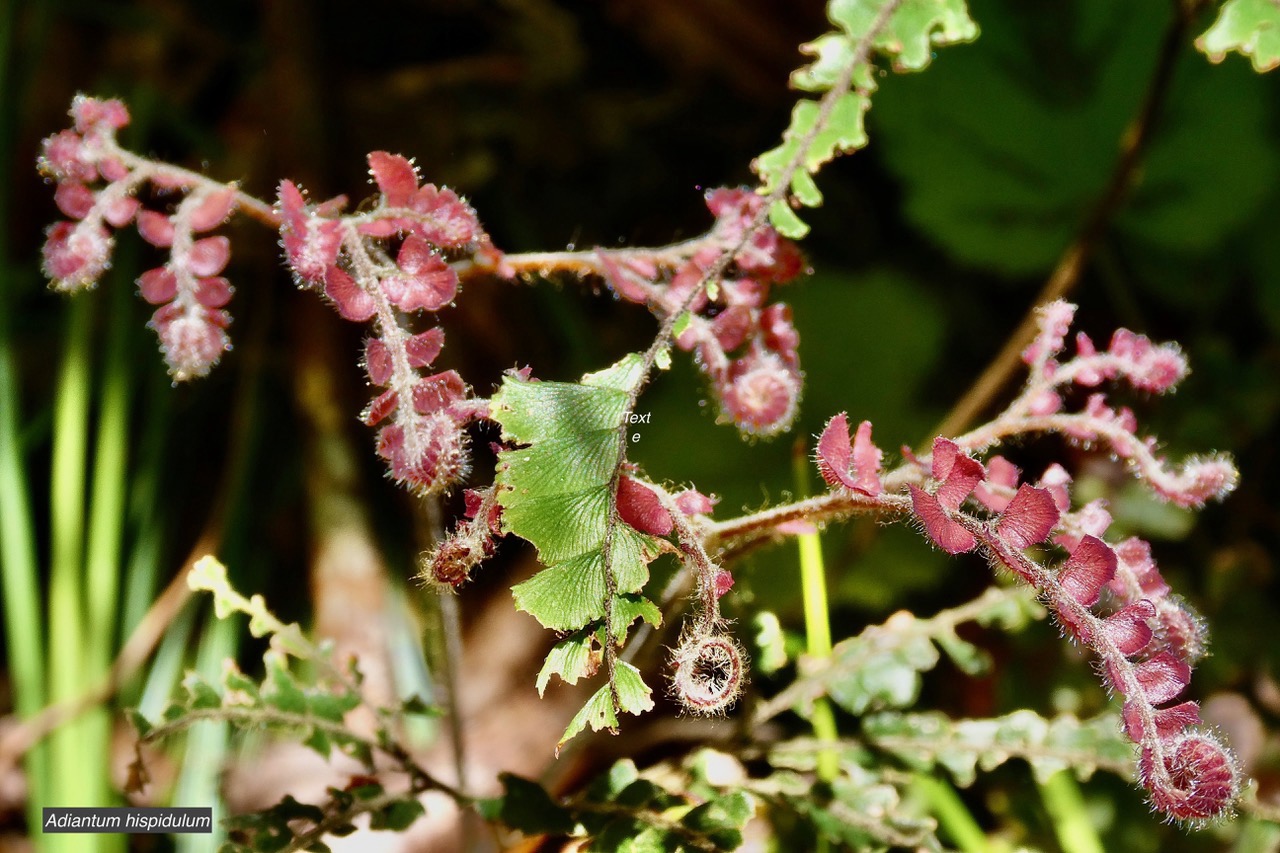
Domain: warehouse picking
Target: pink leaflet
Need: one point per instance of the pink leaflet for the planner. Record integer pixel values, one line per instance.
(1169, 721)
(395, 176)
(1162, 677)
(209, 256)
(379, 408)
(352, 301)
(158, 285)
(120, 211)
(434, 393)
(428, 282)
(1091, 565)
(1029, 517)
(377, 361)
(866, 462)
(1001, 474)
(213, 291)
(155, 228)
(623, 281)
(213, 210)
(731, 326)
(1135, 561)
(835, 452)
(640, 507)
(74, 199)
(946, 533)
(957, 473)
(1128, 627)
(780, 333)
(855, 464)
(423, 348)
(693, 502)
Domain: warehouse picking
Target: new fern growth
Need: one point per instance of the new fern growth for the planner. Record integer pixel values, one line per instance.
(563, 481)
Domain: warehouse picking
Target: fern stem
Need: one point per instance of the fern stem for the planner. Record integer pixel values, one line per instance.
(954, 817)
(813, 584)
(1071, 823)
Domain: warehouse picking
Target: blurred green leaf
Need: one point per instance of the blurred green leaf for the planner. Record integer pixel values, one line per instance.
(963, 747)
(1249, 27)
(1025, 128)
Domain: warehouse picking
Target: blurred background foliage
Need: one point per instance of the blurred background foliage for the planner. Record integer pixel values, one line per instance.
(598, 124)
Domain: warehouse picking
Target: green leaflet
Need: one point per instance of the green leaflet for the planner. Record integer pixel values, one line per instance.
(1250, 27)
(909, 36)
(965, 746)
(555, 492)
(622, 811)
(634, 697)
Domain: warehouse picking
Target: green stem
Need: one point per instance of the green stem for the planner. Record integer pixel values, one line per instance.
(208, 742)
(67, 676)
(1071, 822)
(106, 530)
(954, 817)
(813, 583)
(19, 566)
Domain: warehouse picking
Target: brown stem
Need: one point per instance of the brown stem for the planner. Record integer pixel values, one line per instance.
(1066, 274)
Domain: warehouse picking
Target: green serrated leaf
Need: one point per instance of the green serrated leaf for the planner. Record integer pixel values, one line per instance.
(571, 659)
(417, 706)
(786, 221)
(721, 820)
(200, 694)
(525, 806)
(555, 491)
(597, 713)
(331, 706)
(318, 741)
(621, 835)
(140, 724)
(605, 788)
(969, 658)
(833, 52)
(1249, 27)
(282, 690)
(236, 681)
(644, 794)
(805, 189)
(963, 747)
(627, 609)
(770, 641)
(888, 678)
(844, 131)
(634, 697)
(914, 30)
(397, 816)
